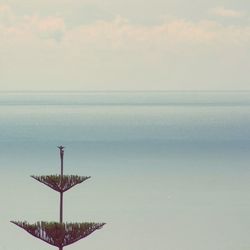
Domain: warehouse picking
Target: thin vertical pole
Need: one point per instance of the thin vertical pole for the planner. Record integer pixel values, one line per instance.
(61, 207)
(61, 193)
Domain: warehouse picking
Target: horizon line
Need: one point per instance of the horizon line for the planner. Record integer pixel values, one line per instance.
(116, 91)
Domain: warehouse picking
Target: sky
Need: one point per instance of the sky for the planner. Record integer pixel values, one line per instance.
(124, 45)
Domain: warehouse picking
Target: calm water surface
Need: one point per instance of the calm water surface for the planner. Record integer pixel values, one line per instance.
(170, 170)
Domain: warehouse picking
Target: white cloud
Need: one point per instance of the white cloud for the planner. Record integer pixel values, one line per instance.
(4, 8)
(43, 49)
(48, 27)
(177, 34)
(224, 12)
(27, 27)
(6, 15)
(119, 33)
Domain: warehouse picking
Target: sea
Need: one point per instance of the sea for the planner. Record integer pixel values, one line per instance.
(170, 170)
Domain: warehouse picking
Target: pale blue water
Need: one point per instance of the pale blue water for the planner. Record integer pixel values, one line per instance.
(171, 170)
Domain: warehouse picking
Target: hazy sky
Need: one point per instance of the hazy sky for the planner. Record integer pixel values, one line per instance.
(124, 45)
